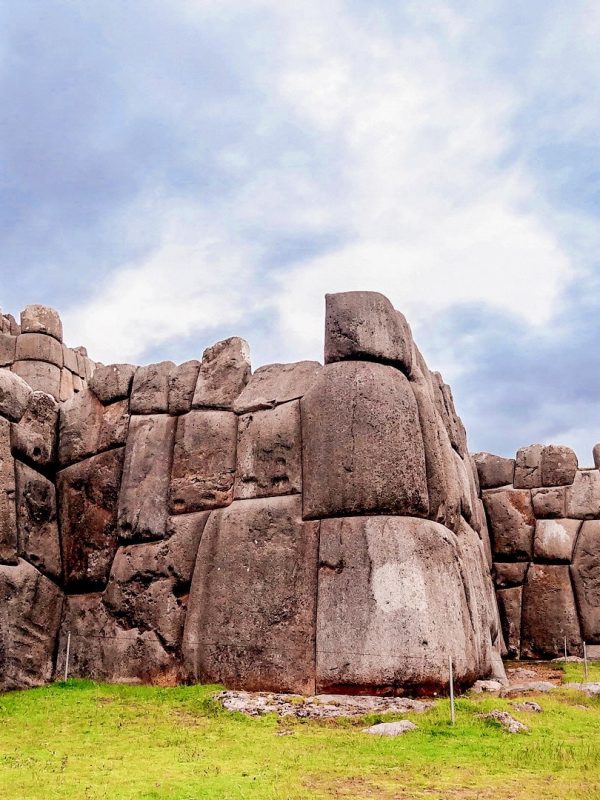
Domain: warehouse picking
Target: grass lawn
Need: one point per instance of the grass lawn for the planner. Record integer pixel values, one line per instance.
(85, 740)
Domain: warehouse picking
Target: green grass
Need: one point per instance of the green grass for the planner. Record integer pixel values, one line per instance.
(86, 740)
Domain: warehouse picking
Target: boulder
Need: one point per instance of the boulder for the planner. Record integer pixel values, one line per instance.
(558, 465)
(182, 384)
(40, 376)
(512, 523)
(86, 427)
(112, 382)
(494, 470)
(203, 461)
(150, 388)
(274, 384)
(34, 438)
(366, 326)
(549, 614)
(224, 372)
(88, 493)
(15, 395)
(269, 453)
(528, 467)
(37, 523)
(39, 347)
(8, 519)
(41, 319)
(549, 503)
(363, 448)
(585, 573)
(555, 538)
(583, 497)
(8, 348)
(511, 574)
(143, 502)
(509, 606)
(30, 612)
(251, 611)
(392, 608)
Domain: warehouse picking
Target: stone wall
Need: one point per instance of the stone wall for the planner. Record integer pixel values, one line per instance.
(544, 517)
(301, 528)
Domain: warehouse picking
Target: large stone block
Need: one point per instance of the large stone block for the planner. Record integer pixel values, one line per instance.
(8, 348)
(363, 448)
(143, 502)
(549, 503)
(182, 385)
(112, 382)
(510, 602)
(224, 372)
(494, 471)
(8, 519)
(88, 493)
(15, 395)
(528, 467)
(37, 522)
(251, 612)
(549, 614)
(67, 389)
(510, 574)
(69, 359)
(150, 389)
(586, 579)
(30, 612)
(269, 453)
(555, 538)
(512, 523)
(558, 466)
(39, 347)
(41, 319)
(445, 404)
(34, 438)
(392, 607)
(104, 650)
(86, 427)
(366, 326)
(203, 461)
(40, 376)
(274, 384)
(583, 497)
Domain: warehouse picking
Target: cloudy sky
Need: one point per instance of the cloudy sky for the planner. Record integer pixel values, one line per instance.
(176, 171)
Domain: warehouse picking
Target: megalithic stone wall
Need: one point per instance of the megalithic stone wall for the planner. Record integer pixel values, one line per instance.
(544, 515)
(303, 528)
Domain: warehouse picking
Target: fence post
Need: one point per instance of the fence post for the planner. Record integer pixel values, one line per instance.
(452, 711)
(585, 662)
(565, 648)
(67, 655)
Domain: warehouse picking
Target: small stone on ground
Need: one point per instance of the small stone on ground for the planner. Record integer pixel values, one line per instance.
(391, 728)
(509, 723)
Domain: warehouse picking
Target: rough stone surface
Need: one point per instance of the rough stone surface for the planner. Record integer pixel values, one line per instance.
(509, 605)
(549, 503)
(321, 706)
(391, 728)
(269, 453)
(150, 388)
(586, 579)
(583, 497)
(453, 423)
(112, 382)
(8, 519)
(203, 461)
(250, 621)
(362, 444)
(30, 611)
(40, 376)
(555, 538)
(15, 395)
(224, 372)
(143, 502)
(274, 384)
(66, 385)
(366, 326)
(549, 614)
(37, 523)
(512, 523)
(86, 427)
(182, 384)
(510, 574)
(39, 347)
(528, 467)
(494, 470)
(88, 493)
(506, 721)
(8, 346)
(391, 607)
(34, 438)
(558, 466)
(41, 319)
